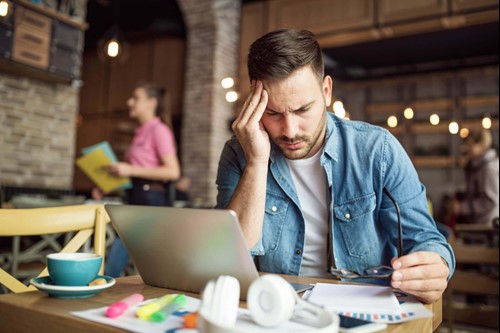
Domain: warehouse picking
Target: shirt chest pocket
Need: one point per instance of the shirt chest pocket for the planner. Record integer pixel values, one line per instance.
(356, 223)
(274, 221)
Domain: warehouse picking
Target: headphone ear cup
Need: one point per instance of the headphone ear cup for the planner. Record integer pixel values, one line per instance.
(220, 301)
(271, 300)
(207, 299)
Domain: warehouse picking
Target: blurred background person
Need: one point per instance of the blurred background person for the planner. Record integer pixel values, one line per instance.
(151, 162)
(479, 203)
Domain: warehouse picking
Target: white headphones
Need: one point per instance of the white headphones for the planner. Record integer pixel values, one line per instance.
(271, 302)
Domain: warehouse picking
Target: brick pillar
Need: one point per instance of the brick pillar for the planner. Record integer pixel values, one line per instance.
(212, 54)
(38, 128)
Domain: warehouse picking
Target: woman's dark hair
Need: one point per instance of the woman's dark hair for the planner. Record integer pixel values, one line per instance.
(157, 92)
(278, 54)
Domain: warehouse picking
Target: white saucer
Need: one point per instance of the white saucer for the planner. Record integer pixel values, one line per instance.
(45, 284)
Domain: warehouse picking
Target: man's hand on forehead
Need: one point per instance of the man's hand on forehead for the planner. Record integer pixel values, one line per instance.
(248, 127)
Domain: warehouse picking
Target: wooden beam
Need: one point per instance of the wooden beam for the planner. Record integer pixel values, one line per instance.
(337, 39)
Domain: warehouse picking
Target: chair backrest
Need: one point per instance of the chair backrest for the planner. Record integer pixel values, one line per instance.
(475, 282)
(475, 277)
(85, 220)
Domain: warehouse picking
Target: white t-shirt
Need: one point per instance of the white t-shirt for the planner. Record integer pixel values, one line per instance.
(310, 182)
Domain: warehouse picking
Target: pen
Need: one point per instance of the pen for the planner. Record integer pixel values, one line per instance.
(178, 302)
(148, 309)
(116, 309)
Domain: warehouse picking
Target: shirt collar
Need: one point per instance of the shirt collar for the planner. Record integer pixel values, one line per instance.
(331, 140)
(148, 125)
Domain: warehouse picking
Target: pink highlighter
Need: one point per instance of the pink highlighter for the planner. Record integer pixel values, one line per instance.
(118, 308)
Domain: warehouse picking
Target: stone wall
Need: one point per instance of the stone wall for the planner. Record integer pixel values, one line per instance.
(212, 54)
(38, 128)
(37, 132)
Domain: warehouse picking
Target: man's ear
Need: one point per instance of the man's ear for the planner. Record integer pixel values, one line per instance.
(327, 89)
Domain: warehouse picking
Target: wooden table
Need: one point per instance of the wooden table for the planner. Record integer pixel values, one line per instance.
(37, 312)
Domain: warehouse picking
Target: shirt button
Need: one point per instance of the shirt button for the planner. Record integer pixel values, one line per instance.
(348, 216)
(298, 251)
(274, 209)
(146, 187)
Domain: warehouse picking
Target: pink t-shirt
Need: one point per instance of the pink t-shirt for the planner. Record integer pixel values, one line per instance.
(151, 142)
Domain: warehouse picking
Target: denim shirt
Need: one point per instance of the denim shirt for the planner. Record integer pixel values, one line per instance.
(359, 160)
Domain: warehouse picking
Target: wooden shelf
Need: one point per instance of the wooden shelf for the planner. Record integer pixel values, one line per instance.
(22, 66)
(384, 108)
(478, 101)
(16, 68)
(427, 128)
(444, 154)
(442, 128)
(125, 127)
(477, 124)
(54, 14)
(434, 161)
(440, 104)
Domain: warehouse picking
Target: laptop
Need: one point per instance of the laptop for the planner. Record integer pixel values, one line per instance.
(184, 248)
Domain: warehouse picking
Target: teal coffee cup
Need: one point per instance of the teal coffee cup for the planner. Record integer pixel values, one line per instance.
(73, 269)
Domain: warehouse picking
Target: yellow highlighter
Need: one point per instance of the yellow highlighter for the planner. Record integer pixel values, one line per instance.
(148, 309)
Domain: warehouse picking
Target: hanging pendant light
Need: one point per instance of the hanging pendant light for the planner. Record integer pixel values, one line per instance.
(112, 45)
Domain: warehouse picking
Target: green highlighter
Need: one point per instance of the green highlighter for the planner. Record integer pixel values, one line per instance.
(178, 302)
(145, 311)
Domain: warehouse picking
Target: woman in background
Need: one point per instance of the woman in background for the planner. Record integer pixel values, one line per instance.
(479, 203)
(151, 161)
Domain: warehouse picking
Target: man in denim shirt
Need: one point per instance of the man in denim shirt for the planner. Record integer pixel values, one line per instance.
(312, 191)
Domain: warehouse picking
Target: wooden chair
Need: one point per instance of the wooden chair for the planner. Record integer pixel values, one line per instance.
(83, 220)
(473, 282)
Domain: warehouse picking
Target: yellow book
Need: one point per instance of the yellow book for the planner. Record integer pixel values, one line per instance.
(94, 165)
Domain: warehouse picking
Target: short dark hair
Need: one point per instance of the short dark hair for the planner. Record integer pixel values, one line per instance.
(279, 53)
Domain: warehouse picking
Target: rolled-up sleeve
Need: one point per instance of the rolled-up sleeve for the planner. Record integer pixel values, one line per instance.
(231, 165)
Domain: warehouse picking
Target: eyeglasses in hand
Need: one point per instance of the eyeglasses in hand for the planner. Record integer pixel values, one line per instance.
(379, 271)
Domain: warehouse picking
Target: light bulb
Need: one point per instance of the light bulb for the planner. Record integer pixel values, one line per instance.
(486, 122)
(232, 96)
(392, 121)
(408, 113)
(227, 82)
(453, 127)
(464, 132)
(113, 48)
(338, 108)
(434, 119)
(4, 8)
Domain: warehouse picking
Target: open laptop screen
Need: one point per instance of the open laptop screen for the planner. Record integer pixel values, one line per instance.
(183, 248)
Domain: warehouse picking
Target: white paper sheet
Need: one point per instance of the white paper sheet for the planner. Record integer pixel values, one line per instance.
(409, 309)
(128, 321)
(342, 297)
